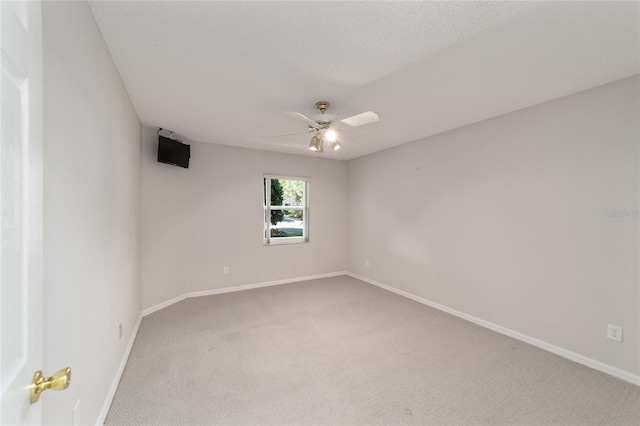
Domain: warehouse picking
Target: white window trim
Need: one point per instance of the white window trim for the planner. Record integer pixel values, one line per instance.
(267, 240)
(302, 178)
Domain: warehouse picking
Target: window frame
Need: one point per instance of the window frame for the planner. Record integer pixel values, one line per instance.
(267, 239)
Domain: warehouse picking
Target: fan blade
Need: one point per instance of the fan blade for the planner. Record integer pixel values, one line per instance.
(361, 119)
(292, 134)
(304, 118)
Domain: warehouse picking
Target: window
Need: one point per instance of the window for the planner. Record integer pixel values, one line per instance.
(286, 210)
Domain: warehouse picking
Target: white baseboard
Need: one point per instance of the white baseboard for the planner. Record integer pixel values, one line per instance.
(238, 288)
(163, 305)
(116, 380)
(580, 359)
(264, 284)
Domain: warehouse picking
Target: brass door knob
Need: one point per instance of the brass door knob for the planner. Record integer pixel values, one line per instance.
(59, 381)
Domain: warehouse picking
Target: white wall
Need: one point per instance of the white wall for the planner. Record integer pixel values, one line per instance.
(504, 220)
(92, 213)
(196, 221)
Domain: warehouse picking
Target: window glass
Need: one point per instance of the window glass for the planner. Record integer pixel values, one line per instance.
(285, 208)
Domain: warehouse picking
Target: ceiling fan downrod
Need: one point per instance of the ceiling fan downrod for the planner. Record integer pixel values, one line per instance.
(322, 107)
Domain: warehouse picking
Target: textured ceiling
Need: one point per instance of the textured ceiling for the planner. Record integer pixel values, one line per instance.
(226, 72)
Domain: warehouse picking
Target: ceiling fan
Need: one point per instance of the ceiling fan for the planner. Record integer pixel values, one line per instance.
(325, 127)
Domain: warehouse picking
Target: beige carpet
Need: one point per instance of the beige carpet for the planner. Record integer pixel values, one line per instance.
(339, 351)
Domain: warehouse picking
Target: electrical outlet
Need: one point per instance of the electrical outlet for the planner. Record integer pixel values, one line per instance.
(120, 331)
(75, 414)
(614, 332)
(367, 263)
(226, 270)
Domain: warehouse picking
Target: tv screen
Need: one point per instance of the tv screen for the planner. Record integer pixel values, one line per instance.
(173, 152)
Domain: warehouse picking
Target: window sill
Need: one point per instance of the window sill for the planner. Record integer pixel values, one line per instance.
(285, 241)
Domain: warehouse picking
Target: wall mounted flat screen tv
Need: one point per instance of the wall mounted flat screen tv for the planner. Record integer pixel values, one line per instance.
(173, 152)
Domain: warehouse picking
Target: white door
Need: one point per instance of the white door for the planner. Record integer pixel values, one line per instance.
(20, 209)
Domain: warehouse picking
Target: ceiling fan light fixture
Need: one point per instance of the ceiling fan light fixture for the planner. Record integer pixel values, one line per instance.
(330, 136)
(335, 145)
(316, 144)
